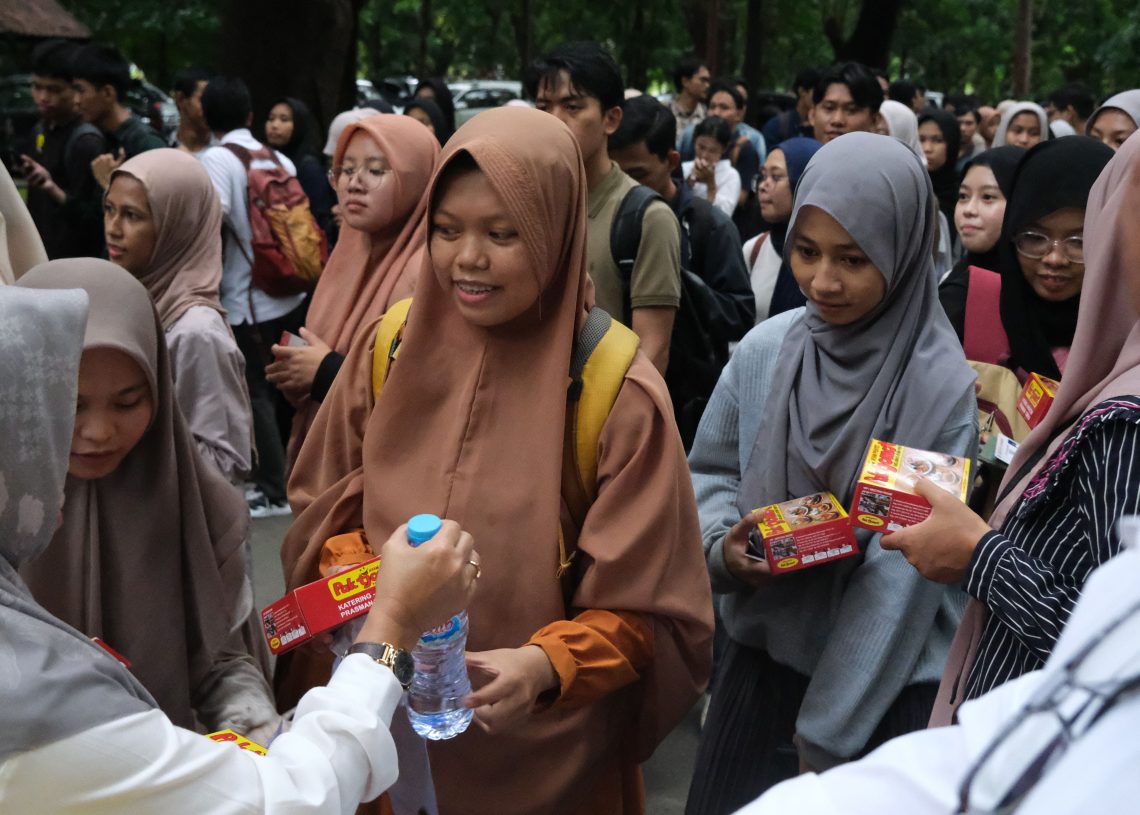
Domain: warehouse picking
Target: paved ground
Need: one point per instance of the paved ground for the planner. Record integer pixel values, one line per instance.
(667, 773)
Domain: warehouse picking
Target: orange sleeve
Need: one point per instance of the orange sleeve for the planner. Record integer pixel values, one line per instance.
(596, 653)
(345, 550)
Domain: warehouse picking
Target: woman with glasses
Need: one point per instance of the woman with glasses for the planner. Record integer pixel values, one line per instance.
(380, 172)
(1040, 262)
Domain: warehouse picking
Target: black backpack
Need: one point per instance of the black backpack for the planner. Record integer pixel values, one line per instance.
(695, 358)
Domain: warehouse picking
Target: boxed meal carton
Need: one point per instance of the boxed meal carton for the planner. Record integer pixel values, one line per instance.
(804, 532)
(318, 606)
(885, 499)
(1036, 397)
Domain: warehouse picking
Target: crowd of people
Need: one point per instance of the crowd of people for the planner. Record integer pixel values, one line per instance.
(622, 327)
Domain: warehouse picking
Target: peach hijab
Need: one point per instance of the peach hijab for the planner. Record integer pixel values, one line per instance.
(471, 427)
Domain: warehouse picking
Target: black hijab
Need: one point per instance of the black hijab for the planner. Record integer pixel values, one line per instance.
(438, 120)
(303, 142)
(1002, 162)
(945, 179)
(442, 98)
(1053, 175)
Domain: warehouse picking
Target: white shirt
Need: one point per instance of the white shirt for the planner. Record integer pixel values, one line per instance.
(229, 177)
(338, 753)
(727, 185)
(921, 773)
(763, 273)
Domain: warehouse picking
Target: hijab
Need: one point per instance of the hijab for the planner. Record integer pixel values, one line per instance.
(1127, 102)
(20, 245)
(303, 142)
(441, 95)
(471, 427)
(1053, 175)
(1016, 109)
(186, 267)
(359, 283)
(902, 124)
(1002, 162)
(787, 295)
(897, 373)
(343, 120)
(945, 179)
(54, 681)
(438, 120)
(149, 558)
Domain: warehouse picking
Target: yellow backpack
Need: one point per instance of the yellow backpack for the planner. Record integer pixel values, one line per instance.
(601, 357)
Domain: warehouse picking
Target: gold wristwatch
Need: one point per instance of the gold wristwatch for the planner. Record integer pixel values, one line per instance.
(397, 660)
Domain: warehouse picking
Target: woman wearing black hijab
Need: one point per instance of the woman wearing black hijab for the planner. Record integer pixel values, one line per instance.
(291, 130)
(435, 89)
(987, 181)
(427, 113)
(1040, 261)
(940, 136)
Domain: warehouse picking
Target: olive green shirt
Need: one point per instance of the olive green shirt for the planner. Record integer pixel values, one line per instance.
(656, 277)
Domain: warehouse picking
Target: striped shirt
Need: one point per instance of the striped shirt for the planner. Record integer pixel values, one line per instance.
(1030, 573)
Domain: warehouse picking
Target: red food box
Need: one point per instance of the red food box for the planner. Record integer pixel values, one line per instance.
(238, 740)
(885, 500)
(318, 606)
(801, 533)
(1036, 397)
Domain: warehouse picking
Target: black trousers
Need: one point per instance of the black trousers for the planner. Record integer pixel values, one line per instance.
(746, 744)
(272, 414)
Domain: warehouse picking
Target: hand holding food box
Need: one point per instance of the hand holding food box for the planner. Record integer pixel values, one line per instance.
(805, 532)
(318, 606)
(885, 500)
(1036, 397)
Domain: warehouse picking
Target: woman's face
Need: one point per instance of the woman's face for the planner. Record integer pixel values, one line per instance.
(113, 412)
(708, 149)
(1055, 276)
(364, 187)
(421, 116)
(775, 193)
(128, 226)
(477, 253)
(279, 125)
(967, 127)
(425, 91)
(933, 145)
(1024, 130)
(832, 271)
(1113, 127)
(980, 210)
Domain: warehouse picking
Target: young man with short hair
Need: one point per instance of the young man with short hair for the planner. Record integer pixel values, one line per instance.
(797, 121)
(1073, 103)
(908, 92)
(63, 198)
(691, 80)
(846, 99)
(102, 77)
(256, 317)
(643, 146)
(580, 83)
(193, 133)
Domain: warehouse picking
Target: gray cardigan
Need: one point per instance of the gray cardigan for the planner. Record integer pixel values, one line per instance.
(862, 628)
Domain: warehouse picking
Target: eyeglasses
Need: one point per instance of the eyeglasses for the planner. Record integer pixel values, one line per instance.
(1061, 711)
(370, 178)
(1035, 245)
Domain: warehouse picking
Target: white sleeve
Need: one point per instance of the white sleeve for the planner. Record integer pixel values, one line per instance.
(338, 753)
(218, 162)
(727, 188)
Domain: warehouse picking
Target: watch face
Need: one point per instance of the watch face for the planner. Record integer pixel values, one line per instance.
(404, 667)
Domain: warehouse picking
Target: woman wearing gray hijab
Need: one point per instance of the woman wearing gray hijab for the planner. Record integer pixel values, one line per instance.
(78, 733)
(1115, 120)
(842, 656)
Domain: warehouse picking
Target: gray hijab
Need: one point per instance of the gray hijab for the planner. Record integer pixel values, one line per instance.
(1127, 102)
(897, 373)
(54, 682)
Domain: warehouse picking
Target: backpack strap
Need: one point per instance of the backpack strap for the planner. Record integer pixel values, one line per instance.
(247, 156)
(625, 238)
(984, 338)
(388, 337)
(755, 253)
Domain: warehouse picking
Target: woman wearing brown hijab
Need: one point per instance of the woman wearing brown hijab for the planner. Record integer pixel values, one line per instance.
(163, 224)
(150, 555)
(380, 170)
(470, 425)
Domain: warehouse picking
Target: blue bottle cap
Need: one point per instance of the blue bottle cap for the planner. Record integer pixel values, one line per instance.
(422, 528)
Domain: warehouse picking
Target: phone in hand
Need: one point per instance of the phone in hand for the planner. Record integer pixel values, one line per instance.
(291, 340)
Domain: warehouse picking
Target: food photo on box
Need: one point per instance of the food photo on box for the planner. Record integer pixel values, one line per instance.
(885, 500)
(803, 532)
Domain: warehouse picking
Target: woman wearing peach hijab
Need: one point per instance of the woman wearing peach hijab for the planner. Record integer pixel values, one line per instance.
(470, 425)
(20, 244)
(380, 170)
(162, 223)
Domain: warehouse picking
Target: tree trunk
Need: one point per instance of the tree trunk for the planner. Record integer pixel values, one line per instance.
(870, 41)
(301, 48)
(635, 58)
(712, 37)
(696, 17)
(1023, 49)
(523, 26)
(754, 52)
(425, 32)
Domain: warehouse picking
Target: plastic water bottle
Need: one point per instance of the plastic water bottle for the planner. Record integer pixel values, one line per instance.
(435, 700)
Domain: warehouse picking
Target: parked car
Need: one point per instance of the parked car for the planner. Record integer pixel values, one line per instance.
(480, 94)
